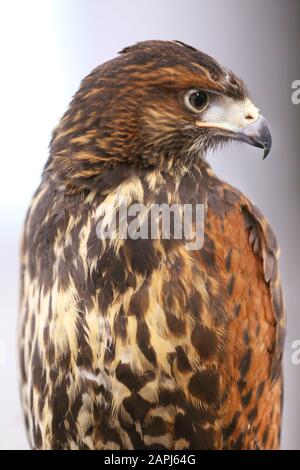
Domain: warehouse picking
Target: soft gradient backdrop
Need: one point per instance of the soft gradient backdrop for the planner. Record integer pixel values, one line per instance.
(47, 47)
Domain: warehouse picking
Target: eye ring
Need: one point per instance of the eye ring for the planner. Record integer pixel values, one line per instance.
(196, 101)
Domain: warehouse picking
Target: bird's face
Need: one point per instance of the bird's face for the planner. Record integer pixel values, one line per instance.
(158, 102)
(196, 118)
(194, 103)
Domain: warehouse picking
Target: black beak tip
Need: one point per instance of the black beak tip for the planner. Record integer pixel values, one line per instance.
(267, 139)
(267, 144)
(266, 152)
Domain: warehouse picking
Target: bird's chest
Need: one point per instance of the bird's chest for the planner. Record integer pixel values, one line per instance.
(165, 287)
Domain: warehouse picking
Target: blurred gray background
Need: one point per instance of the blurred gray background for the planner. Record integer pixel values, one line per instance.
(47, 47)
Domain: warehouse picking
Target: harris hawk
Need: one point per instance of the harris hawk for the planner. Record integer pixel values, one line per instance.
(141, 343)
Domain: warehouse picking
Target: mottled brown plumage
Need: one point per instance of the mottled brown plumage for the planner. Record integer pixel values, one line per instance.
(135, 344)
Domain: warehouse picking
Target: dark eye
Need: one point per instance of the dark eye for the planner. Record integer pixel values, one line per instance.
(196, 100)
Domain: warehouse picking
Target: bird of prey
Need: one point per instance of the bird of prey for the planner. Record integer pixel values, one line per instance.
(141, 342)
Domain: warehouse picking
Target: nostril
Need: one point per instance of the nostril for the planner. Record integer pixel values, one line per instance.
(249, 117)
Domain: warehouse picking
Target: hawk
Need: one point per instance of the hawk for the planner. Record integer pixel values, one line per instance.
(142, 343)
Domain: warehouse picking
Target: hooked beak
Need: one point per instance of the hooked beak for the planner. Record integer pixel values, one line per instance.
(257, 134)
(239, 120)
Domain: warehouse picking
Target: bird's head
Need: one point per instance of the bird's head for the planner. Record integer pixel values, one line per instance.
(158, 104)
